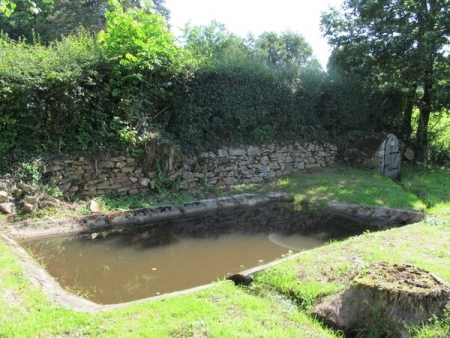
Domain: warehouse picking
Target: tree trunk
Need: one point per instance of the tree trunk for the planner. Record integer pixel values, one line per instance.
(425, 110)
(386, 299)
(407, 114)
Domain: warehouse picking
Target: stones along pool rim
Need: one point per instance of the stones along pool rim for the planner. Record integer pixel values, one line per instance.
(68, 227)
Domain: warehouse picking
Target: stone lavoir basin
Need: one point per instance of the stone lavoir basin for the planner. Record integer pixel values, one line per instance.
(158, 251)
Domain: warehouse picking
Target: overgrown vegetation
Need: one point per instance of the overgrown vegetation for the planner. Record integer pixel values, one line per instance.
(108, 85)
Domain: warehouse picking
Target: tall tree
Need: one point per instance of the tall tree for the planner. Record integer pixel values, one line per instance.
(7, 7)
(212, 41)
(404, 41)
(138, 42)
(286, 49)
(56, 18)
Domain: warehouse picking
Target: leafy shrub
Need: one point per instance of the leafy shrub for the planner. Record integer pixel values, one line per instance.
(50, 95)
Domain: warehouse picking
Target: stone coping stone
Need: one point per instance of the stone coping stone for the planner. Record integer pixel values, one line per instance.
(63, 227)
(380, 214)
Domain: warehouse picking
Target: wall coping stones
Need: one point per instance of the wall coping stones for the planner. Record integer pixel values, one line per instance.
(93, 223)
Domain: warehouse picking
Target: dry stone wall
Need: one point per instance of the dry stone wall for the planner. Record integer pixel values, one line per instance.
(126, 176)
(253, 164)
(86, 177)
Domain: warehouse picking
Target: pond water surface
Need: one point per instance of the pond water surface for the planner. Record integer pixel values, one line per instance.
(139, 262)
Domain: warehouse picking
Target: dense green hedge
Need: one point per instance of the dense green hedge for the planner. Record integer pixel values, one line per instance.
(246, 103)
(52, 98)
(88, 95)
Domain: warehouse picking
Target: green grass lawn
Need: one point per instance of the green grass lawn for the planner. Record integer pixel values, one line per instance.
(278, 303)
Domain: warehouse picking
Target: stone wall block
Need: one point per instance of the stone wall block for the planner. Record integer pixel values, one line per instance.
(120, 180)
(237, 152)
(253, 151)
(103, 185)
(4, 196)
(300, 165)
(144, 182)
(127, 170)
(106, 164)
(65, 187)
(118, 159)
(250, 164)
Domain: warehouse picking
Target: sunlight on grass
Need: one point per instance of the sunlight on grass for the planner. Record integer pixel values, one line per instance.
(441, 209)
(284, 181)
(364, 187)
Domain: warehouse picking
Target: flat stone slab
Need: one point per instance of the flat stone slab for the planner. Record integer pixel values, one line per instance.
(93, 223)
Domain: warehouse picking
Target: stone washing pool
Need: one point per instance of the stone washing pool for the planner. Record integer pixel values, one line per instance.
(128, 263)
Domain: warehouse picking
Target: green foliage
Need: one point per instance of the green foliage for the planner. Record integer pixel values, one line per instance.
(81, 96)
(237, 100)
(144, 58)
(95, 93)
(430, 185)
(434, 327)
(30, 172)
(52, 98)
(285, 50)
(49, 20)
(398, 42)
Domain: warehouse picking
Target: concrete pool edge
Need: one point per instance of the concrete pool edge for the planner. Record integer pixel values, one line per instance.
(64, 227)
(70, 226)
(42, 279)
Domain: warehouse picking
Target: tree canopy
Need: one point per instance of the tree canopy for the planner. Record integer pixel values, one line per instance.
(396, 41)
(48, 20)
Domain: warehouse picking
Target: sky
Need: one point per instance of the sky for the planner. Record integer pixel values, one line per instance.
(242, 17)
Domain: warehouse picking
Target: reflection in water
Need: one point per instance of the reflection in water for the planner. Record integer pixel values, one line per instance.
(178, 254)
(294, 242)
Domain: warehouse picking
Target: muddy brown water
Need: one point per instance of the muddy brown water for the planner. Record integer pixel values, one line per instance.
(139, 262)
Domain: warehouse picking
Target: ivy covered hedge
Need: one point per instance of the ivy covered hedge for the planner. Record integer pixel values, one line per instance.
(52, 98)
(246, 103)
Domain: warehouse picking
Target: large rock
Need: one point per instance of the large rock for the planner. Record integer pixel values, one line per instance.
(3, 196)
(6, 208)
(28, 207)
(25, 187)
(409, 154)
(94, 206)
(31, 199)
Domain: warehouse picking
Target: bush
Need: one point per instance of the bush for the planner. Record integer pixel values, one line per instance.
(237, 101)
(52, 98)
